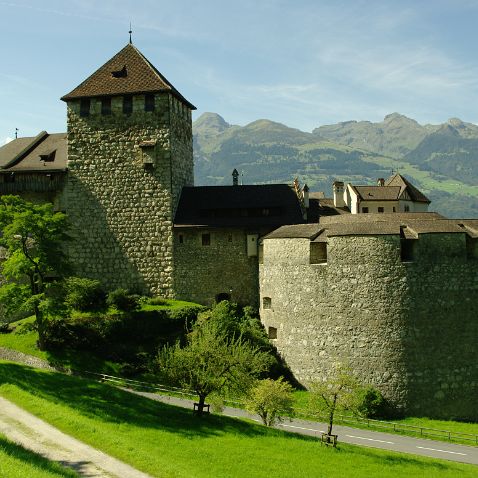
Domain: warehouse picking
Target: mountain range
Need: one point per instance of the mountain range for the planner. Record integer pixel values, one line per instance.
(441, 160)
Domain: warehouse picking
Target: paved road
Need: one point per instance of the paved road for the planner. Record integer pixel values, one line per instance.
(36, 435)
(355, 436)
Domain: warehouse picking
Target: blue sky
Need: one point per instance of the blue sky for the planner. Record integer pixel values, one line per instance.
(303, 63)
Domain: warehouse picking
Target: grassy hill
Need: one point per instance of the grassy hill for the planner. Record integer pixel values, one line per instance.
(442, 160)
(167, 441)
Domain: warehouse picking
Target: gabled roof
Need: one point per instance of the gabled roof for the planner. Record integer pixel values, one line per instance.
(128, 72)
(268, 205)
(42, 153)
(406, 186)
(377, 193)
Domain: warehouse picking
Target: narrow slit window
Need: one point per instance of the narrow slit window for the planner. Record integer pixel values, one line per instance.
(149, 103)
(181, 239)
(471, 248)
(206, 239)
(318, 253)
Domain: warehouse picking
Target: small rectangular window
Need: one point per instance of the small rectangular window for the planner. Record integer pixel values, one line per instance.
(381, 209)
(106, 106)
(9, 178)
(365, 209)
(206, 239)
(406, 208)
(85, 107)
(394, 210)
(149, 103)
(127, 104)
(266, 303)
(181, 239)
(272, 332)
(407, 250)
(318, 252)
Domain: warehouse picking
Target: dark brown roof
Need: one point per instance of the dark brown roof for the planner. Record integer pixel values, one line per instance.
(42, 153)
(299, 231)
(378, 193)
(408, 225)
(128, 72)
(268, 205)
(323, 207)
(413, 192)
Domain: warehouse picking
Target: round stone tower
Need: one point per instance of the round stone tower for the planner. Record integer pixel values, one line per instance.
(394, 298)
(129, 155)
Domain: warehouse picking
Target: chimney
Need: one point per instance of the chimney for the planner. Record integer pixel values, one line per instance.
(305, 196)
(380, 182)
(338, 187)
(235, 177)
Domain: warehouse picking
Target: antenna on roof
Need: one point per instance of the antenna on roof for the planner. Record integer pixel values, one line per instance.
(130, 32)
(16, 133)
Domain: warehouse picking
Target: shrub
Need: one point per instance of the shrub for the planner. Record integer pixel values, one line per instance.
(123, 300)
(157, 301)
(371, 403)
(271, 400)
(84, 294)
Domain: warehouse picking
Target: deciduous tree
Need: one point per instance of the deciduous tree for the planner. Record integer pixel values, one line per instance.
(211, 362)
(33, 236)
(271, 400)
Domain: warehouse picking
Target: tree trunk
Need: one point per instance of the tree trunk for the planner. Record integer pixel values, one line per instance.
(40, 328)
(202, 400)
(331, 415)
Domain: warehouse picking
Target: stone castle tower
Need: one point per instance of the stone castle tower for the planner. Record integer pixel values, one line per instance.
(129, 155)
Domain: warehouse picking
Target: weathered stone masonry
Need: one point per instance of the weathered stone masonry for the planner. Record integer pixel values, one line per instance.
(122, 209)
(409, 328)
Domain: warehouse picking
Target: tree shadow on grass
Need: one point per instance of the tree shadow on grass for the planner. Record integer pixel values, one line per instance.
(33, 459)
(111, 405)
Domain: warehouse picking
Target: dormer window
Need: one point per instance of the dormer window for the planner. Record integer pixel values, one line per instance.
(123, 73)
(85, 107)
(148, 102)
(127, 104)
(48, 158)
(106, 106)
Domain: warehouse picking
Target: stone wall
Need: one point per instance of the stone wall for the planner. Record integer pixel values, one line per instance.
(410, 329)
(202, 272)
(121, 209)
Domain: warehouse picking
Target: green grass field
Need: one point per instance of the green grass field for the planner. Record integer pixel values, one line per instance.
(17, 462)
(167, 441)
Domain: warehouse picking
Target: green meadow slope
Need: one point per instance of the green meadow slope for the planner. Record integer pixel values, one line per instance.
(166, 441)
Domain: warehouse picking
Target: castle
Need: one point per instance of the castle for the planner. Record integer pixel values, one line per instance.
(369, 277)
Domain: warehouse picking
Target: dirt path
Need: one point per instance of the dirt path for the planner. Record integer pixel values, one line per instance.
(40, 437)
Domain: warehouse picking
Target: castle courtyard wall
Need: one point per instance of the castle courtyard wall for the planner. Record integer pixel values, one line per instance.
(408, 328)
(203, 272)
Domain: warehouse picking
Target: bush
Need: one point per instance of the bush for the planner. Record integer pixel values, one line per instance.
(371, 403)
(157, 301)
(84, 294)
(123, 300)
(271, 400)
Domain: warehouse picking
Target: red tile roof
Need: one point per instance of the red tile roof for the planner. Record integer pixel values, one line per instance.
(128, 72)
